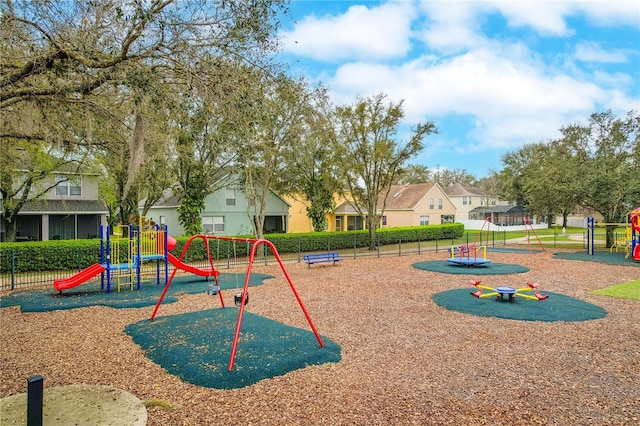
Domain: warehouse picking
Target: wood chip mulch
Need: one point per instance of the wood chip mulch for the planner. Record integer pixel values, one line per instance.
(405, 360)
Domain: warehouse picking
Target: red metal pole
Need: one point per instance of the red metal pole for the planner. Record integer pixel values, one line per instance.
(244, 296)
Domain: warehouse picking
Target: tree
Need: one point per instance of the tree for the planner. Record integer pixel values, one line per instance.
(413, 173)
(308, 174)
(447, 177)
(270, 121)
(72, 64)
(608, 162)
(368, 156)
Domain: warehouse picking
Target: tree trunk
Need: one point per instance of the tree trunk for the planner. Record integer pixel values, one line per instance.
(9, 227)
(372, 225)
(610, 235)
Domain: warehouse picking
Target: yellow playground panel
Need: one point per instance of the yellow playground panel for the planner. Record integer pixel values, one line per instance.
(143, 243)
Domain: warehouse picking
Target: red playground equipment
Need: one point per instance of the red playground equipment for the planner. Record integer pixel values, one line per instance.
(635, 234)
(511, 292)
(241, 299)
(471, 254)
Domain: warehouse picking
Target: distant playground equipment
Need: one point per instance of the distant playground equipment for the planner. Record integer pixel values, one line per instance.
(241, 299)
(631, 242)
(123, 251)
(635, 233)
(510, 292)
(471, 254)
(468, 255)
(530, 230)
(126, 249)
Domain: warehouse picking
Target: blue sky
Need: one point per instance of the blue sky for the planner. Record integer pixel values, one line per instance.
(493, 76)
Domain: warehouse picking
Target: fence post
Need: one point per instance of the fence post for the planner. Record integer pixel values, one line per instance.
(34, 400)
(355, 246)
(13, 269)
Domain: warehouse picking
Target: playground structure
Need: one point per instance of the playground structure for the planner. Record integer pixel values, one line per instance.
(241, 299)
(635, 233)
(123, 251)
(127, 250)
(511, 292)
(471, 254)
(631, 241)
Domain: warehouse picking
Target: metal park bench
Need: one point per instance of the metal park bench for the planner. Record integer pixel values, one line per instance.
(322, 258)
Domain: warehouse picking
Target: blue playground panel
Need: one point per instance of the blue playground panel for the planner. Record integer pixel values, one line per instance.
(468, 261)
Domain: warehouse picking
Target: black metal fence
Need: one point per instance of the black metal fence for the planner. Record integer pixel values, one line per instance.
(229, 258)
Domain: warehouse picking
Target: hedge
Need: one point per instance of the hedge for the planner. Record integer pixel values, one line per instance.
(78, 254)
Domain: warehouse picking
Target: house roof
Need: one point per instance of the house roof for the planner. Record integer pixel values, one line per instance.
(498, 209)
(64, 206)
(406, 197)
(170, 199)
(458, 190)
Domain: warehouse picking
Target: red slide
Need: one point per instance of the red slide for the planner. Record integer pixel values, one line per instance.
(79, 278)
(197, 271)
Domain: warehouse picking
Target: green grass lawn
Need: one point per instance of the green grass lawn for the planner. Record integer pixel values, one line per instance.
(628, 290)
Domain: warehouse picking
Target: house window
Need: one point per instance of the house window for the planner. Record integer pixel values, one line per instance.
(424, 220)
(162, 222)
(448, 218)
(66, 185)
(431, 204)
(213, 224)
(354, 223)
(338, 223)
(466, 200)
(231, 197)
(384, 220)
(439, 203)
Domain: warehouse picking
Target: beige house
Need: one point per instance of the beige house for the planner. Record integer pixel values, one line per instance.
(406, 205)
(299, 222)
(467, 198)
(417, 204)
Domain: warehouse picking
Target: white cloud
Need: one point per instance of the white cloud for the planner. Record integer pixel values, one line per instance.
(360, 33)
(511, 100)
(504, 92)
(616, 12)
(546, 17)
(453, 28)
(592, 52)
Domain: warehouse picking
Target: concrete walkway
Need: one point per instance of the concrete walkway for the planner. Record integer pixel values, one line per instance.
(78, 405)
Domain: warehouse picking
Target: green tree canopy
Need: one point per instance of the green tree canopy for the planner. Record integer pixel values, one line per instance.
(368, 155)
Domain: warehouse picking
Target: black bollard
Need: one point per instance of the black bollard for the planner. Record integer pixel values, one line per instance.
(34, 400)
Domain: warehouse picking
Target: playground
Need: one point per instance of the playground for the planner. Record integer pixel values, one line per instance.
(405, 357)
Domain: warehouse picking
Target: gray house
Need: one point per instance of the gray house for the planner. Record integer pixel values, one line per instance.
(226, 213)
(70, 209)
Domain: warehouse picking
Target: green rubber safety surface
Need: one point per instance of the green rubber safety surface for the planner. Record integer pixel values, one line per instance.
(557, 307)
(91, 294)
(196, 347)
(444, 267)
(605, 257)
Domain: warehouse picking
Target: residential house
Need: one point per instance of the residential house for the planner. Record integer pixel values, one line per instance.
(501, 215)
(467, 198)
(299, 222)
(225, 213)
(71, 209)
(406, 205)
